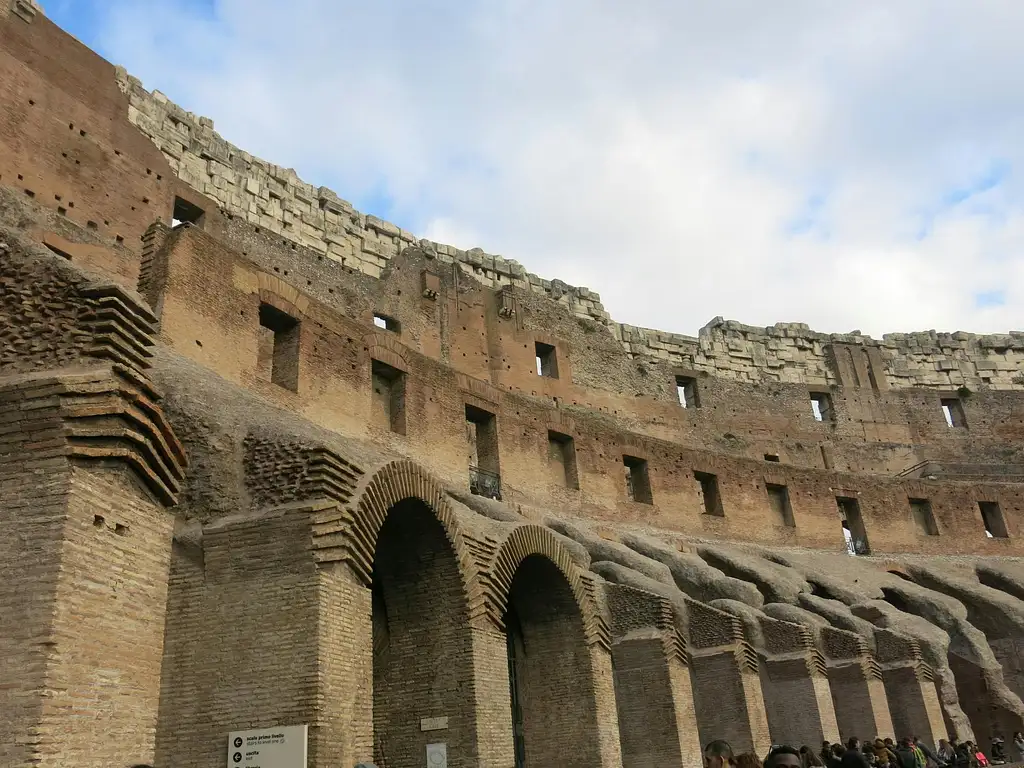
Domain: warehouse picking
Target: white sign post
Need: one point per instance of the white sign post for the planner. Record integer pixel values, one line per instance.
(268, 748)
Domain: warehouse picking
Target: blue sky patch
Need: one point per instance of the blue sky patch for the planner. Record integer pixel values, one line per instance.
(987, 299)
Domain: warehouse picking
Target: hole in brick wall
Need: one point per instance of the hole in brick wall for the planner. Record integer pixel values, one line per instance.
(638, 480)
(199, 343)
(98, 521)
(149, 171)
(854, 532)
(546, 360)
(30, 193)
(31, 102)
(386, 322)
(20, 177)
(992, 517)
(778, 500)
(119, 239)
(185, 212)
(388, 396)
(921, 511)
(953, 410)
(707, 489)
(62, 210)
(71, 126)
(821, 406)
(92, 225)
(562, 454)
(81, 133)
(279, 346)
(71, 204)
(120, 529)
(117, 152)
(145, 200)
(57, 198)
(771, 457)
(686, 391)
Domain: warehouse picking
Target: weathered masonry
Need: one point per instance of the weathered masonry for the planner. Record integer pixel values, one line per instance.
(267, 461)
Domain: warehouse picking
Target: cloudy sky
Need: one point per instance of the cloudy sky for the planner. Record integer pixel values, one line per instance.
(851, 164)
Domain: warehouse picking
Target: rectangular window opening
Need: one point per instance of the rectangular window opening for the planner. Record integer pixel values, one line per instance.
(778, 500)
(388, 396)
(821, 406)
(562, 456)
(547, 360)
(482, 439)
(992, 516)
(773, 457)
(953, 410)
(711, 499)
(279, 347)
(853, 526)
(386, 322)
(638, 480)
(924, 520)
(186, 213)
(686, 391)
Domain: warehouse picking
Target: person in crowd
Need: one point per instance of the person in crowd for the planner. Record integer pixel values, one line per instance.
(853, 757)
(836, 756)
(1018, 745)
(946, 753)
(998, 749)
(808, 759)
(919, 755)
(930, 757)
(748, 760)
(883, 755)
(906, 757)
(718, 754)
(783, 757)
(826, 752)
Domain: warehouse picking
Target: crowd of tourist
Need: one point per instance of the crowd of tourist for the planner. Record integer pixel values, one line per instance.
(880, 753)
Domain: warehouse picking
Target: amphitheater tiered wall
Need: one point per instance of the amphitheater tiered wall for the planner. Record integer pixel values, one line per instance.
(266, 460)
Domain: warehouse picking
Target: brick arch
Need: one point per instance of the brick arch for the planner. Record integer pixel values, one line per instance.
(374, 497)
(280, 295)
(527, 540)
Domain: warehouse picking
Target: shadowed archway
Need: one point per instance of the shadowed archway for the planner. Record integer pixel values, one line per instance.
(422, 648)
(555, 717)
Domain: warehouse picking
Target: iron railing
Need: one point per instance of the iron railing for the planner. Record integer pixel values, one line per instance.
(484, 483)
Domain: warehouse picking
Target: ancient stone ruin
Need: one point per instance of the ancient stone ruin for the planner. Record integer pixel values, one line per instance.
(266, 461)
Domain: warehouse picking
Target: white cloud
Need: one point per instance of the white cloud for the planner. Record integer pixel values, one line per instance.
(789, 161)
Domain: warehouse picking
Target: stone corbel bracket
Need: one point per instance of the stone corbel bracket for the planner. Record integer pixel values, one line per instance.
(94, 414)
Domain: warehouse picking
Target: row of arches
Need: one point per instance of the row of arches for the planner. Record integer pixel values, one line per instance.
(500, 664)
(494, 646)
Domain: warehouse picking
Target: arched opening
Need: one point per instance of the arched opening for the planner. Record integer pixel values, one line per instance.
(422, 655)
(554, 711)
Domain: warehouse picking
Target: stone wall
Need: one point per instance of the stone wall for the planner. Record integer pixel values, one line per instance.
(276, 200)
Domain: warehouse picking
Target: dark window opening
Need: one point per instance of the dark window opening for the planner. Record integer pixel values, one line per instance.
(638, 480)
(686, 391)
(547, 360)
(386, 322)
(953, 410)
(992, 516)
(821, 406)
(186, 213)
(482, 438)
(778, 500)
(773, 457)
(921, 509)
(388, 396)
(707, 489)
(58, 251)
(562, 456)
(279, 347)
(853, 526)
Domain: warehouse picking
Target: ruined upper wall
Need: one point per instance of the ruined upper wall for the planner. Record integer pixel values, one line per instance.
(277, 200)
